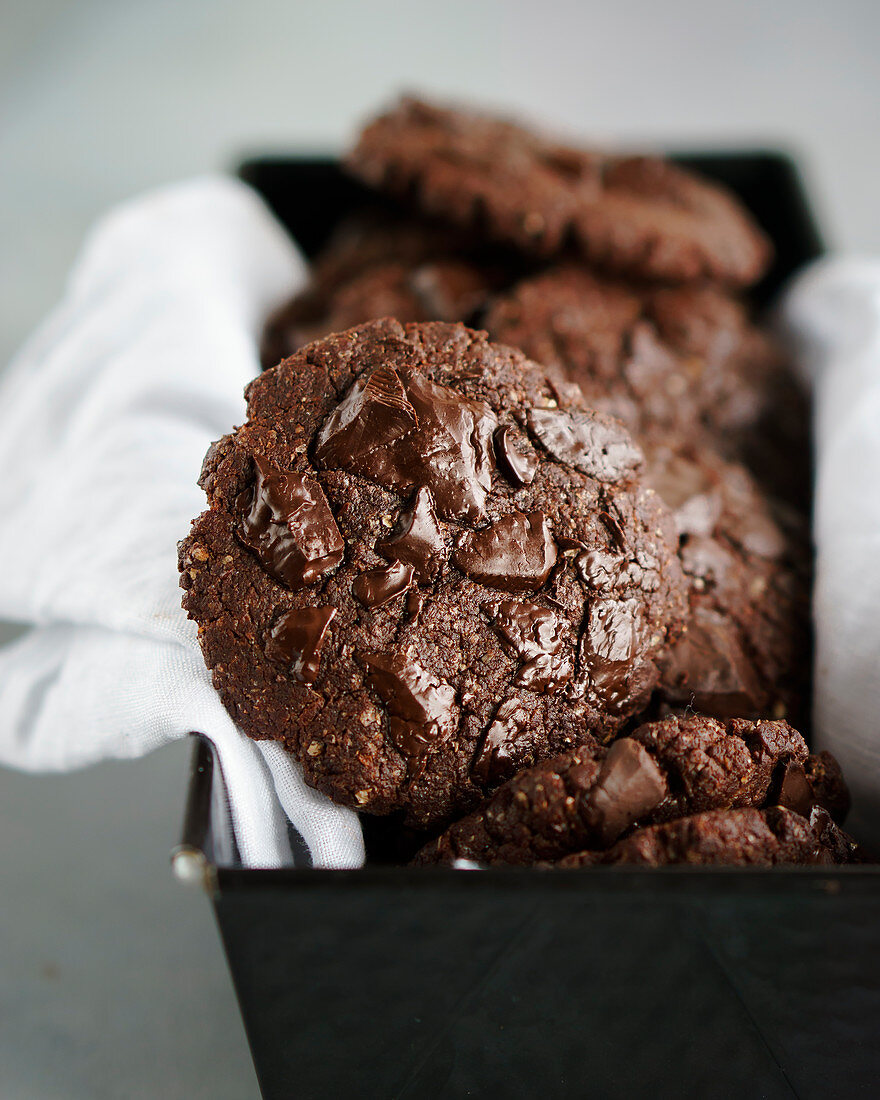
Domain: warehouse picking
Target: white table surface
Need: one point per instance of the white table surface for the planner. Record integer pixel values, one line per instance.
(112, 979)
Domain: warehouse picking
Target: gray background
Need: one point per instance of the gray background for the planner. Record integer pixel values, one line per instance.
(112, 981)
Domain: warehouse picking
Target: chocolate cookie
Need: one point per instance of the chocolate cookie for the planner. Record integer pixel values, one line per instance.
(762, 415)
(672, 360)
(562, 805)
(740, 838)
(590, 796)
(378, 265)
(746, 650)
(443, 289)
(638, 215)
(420, 571)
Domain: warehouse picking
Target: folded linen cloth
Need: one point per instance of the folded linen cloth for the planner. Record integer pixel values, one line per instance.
(832, 312)
(105, 417)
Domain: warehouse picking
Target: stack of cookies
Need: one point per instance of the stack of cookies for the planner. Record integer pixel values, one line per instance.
(511, 549)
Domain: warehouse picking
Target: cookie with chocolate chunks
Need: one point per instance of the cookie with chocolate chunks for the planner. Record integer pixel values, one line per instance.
(445, 289)
(666, 361)
(589, 797)
(746, 651)
(388, 578)
(579, 798)
(376, 265)
(634, 214)
(738, 838)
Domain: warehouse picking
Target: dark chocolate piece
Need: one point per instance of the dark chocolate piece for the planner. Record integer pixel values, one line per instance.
(534, 634)
(376, 587)
(518, 465)
(495, 760)
(841, 846)
(710, 670)
(373, 414)
(588, 441)
(515, 553)
(288, 524)
(418, 539)
(414, 432)
(297, 639)
(795, 792)
(421, 707)
(453, 451)
(605, 571)
(629, 785)
(608, 646)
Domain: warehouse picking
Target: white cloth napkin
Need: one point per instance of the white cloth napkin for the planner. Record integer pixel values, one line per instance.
(105, 417)
(833, 313)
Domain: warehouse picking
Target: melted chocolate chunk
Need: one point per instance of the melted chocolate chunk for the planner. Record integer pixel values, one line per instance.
(604, 571)
(297, 638)
(374, 413)
(609, 646)
(376, 587)
(534, 634)
(588, 441)
(515, 553)
(452, 449)
(518, 465)
(795, 792)
(414, 432)
(288, 524)
(421, 707)
(630, 784)
(418, 540)
(569, 544)
(495, 761)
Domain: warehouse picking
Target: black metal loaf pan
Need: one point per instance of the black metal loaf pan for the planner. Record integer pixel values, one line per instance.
(681, 982)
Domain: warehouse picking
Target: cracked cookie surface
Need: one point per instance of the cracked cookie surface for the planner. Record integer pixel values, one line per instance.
(421, 571)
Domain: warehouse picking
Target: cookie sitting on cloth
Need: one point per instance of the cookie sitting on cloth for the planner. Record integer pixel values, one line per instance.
(106, 415)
